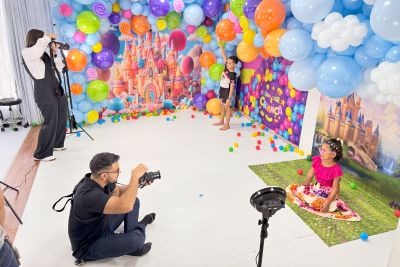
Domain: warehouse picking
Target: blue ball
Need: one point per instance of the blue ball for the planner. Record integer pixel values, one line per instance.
(364, 236)
(275, 136)
(168, 119)
(242, 124)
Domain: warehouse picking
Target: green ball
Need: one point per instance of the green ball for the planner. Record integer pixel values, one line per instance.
(216, 71)
(237, 7)
(174, 117)
(97, 90)
(309, 157)
(173, 20)
(353, 185)
(262, 133)
(88, 22)
(231, 149)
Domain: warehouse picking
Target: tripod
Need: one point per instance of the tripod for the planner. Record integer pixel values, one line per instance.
(8, 203)
(264, 234)
(73, 125)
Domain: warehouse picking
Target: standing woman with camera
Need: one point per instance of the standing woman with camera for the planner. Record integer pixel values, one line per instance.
(48, 92)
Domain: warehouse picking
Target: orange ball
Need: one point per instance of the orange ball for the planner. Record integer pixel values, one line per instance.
(225, 30)
(76, 89)
(140, 25)
(270, 14)
(207, 59)
(76, 60)
(271, 42)
(246, 52)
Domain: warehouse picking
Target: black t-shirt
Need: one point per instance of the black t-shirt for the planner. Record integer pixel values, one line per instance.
(86, 218)
(226, 78)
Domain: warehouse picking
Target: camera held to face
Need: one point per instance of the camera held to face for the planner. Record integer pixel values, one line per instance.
(148, 177)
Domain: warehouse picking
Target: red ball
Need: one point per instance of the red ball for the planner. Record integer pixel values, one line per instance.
(192, 116)
(272, 142)
(239, 134)
(254, 126)
(300, 171)
(397, 213)
(275, 149)
(205, 112)
(210, 94)
(258, 147)
(258, 133)
(259, 142)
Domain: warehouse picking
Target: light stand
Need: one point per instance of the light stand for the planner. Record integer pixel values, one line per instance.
(73, 125)
(8, 203)
(267, 201)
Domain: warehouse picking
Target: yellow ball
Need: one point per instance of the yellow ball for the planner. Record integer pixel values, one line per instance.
(246, 52)
(244, 23)
(296, 149)
(116, 8)
(254, 134)
(214, 106)
(301, 152)
(92, 116)
(290, 131)
(292, 93)
(248, 36)
(97, 47)
(161, 24)
(236, 145)
(207, 39)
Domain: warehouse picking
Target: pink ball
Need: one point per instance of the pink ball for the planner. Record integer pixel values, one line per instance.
(210, 94)
(237, 28)
(177, 40)
(127, 14)
(191, 29)
(65, 10)
(298, 95)
(79, 37)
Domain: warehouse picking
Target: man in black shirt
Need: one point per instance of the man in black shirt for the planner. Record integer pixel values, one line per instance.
(99, 206)
(226, 89)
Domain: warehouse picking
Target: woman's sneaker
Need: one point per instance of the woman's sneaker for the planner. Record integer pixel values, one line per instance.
(49, 158)
(59, 148)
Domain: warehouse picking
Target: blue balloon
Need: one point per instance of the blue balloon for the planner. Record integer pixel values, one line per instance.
(92, 39)
(78, 78)
(366, 9)
(320, 50)
(337, 6)
(363, 59)
(209, 83)
(293, 24)
(125, 4)
(348, 52)
(78, 98)
(317, 60)
(376, 47)
(146, 11)
(78, 115)
(302, 75)
(311, 11)
(393, 55)
(86, 48)
(361, 17)
(352, 4)
(68, 30)
(116, 104)
(296, 45)
(104, 25)
(338, 76)
(84, 2)
(213, 45)
(193, 15)
(84, 106)
(137, 9)
(258, 40)
(385, 19)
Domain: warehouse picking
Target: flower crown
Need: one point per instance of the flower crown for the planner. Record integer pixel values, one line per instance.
(332, 145)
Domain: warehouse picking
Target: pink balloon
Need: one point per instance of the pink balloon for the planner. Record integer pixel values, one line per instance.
(191, 29)
(187, 65)
(237, 28)
(79, 37)
(276, 130)
(232, 17)
(127, 14)
(177, 40)
(65, 10)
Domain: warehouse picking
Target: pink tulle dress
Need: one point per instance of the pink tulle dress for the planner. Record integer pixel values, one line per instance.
(325, 175)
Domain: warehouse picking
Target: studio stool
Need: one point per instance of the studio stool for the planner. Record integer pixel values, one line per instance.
(14, 120)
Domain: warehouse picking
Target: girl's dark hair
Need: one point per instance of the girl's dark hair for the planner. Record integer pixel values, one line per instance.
(101, 162)
(32, 36)
(234, 59)
(335, 146)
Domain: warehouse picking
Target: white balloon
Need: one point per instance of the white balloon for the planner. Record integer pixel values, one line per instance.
(370, 2)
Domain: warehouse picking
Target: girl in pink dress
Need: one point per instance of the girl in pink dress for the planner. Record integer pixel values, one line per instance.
(322, 197)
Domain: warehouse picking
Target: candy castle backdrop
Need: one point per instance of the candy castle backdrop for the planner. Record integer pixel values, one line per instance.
(129, 56)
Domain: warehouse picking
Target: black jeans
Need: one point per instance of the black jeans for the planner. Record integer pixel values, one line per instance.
(112, 244)
(53, 130)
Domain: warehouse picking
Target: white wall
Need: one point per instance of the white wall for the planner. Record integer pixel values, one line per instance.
(394, 260)
(310, 120)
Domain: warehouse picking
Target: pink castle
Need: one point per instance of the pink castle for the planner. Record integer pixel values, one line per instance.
(148, 72)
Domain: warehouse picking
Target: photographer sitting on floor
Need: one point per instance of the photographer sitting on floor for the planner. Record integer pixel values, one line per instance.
(99, 206)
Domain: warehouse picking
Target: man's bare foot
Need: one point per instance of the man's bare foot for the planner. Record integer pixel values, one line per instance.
(218, 123)
(225, 128)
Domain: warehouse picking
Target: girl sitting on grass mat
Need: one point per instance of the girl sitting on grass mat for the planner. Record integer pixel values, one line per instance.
(322, 198)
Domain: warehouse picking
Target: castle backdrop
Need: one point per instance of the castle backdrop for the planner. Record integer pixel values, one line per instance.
(370, 131)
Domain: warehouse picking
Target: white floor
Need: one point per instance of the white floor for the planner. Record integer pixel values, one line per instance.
(10, 143)
(204, 217)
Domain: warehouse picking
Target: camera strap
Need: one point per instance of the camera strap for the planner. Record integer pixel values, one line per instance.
(70, 197)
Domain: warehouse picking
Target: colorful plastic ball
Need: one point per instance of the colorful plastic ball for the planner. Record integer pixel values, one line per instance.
(78, 134)
(262, 134)
(242, 124)
(192, 116)
(239, 134)
(275, 149)
(280, 147)
(397, 213)
(236, 145)
(301, 152)
(230, 149)
(259, 142)
(275, 136)
(363, 236)
(300, 171)
(309, 157)
(258, 147)
(168, 119)
(353, 185)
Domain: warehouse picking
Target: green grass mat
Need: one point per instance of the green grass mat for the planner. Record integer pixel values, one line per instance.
(370, 200)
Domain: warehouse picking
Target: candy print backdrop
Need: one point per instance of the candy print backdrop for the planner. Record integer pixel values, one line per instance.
(271, 100)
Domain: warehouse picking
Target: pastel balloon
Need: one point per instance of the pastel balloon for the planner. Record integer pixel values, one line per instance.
(271, 42)
(246, 52)
(270, 14)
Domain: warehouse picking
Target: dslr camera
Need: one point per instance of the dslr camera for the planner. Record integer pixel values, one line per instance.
(148, 177)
